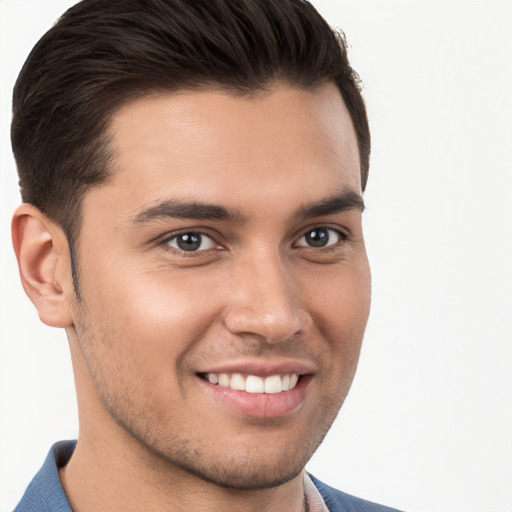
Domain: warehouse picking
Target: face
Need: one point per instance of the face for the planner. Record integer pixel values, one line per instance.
(224, 281)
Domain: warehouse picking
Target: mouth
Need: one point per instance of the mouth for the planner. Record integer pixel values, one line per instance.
(253, 384)
(267, 395)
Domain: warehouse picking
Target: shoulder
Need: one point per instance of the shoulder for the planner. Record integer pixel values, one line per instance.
(338, 501)
(45, 492)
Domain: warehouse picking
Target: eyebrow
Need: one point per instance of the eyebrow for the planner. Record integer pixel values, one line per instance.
(347, 199)
(177, 209)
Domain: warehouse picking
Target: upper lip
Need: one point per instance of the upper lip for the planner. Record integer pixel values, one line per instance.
(262, 368)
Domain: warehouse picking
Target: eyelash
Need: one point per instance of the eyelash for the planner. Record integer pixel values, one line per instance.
(167, 240)
(343, 237)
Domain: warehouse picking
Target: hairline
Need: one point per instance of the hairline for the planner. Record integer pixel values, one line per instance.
(105, 138)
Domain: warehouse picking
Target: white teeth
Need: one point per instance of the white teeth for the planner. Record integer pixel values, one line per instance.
(254, 384)
(224, 380)
(273, 384)
(237, 382)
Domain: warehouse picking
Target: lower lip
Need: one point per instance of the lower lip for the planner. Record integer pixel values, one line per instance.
(261, 405)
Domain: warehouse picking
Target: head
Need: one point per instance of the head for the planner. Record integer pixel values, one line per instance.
(102, 54)
(200, 165)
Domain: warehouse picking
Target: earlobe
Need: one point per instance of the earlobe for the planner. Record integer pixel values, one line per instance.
(43, 260)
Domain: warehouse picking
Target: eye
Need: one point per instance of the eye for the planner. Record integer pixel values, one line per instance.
(320, 237)
(191, 242)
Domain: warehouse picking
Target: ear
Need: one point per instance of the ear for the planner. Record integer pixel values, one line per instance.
(44, 263)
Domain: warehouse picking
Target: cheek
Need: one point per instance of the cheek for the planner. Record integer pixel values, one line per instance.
(140, 330)
(339, 299)
(137, 299)
(340, 312)
(147, 328)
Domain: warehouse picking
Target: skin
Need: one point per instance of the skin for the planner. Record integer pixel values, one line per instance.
(152, 318)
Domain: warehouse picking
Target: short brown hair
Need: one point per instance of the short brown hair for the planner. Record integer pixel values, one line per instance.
(102, 53)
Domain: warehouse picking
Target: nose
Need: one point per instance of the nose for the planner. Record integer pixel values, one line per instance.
(264, 300)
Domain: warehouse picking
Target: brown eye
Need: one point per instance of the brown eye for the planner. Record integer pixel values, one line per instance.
(320, 237)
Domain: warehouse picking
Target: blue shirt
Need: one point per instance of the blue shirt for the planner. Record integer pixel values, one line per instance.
(45, 492)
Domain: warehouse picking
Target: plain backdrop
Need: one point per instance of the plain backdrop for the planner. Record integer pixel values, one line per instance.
(427, 426)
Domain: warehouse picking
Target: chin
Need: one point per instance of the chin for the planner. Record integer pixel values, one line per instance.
(247, 475)
(251, 467)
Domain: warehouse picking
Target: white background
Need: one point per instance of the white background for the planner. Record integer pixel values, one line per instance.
(428, 424)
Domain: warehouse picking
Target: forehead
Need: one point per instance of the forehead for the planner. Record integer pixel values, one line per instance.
(279, 144)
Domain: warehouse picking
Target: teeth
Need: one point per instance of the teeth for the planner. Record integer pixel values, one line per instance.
(273, 384)
(224, 380)
(253, 383)
(237, 382)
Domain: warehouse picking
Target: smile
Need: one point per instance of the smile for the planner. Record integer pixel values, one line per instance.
(252, 383)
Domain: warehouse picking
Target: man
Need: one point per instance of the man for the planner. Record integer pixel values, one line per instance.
(192, 176)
